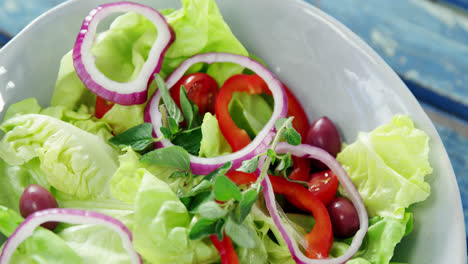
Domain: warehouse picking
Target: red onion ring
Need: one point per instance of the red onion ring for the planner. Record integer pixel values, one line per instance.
(307, 151)
(135, 91)
(71, 216)
(264, 137)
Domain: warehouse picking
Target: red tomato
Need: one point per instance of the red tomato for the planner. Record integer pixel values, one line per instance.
(323, 185)
(201, 88)
(251, 84)
(102, 106)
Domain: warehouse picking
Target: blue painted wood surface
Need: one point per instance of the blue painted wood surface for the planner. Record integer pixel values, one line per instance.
(422, 41)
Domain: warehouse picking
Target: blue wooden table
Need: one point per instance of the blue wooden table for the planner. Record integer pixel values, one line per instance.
(425, 42)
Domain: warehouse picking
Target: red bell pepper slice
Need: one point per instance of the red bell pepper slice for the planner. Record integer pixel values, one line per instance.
(319, 241)
(251, 84)
(225, 249)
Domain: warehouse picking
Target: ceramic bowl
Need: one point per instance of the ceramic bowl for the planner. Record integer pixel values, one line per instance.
(331, 70)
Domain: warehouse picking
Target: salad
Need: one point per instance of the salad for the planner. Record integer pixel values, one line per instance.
(166, 141)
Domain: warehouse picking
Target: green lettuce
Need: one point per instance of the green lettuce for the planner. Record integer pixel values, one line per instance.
(213, 143)
(74, 161)
(199, 28)
(250, 112)
(388, 166)
(379, 244)
(42, 247)
(161, 227)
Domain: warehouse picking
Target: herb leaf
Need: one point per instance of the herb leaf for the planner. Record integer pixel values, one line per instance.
(202, 228)
(224, 189)
(272, 154)
(174, 156)
(138, 137)
(249, 198)
(189, 139)
(219, 228)
(250, 165)
(193, 202)
(166, 132)
(292, 136)
(219, 171)
(240, 234)
(179, 174)
(211, 210)
(190, 110)
(171, 106)
(173, 126)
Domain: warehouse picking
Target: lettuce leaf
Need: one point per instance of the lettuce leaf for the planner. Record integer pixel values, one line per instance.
(41, 248)
(74, 161)
(213, 142)
(379, 244)
(199, 28)
(161, 226)
(388, 166)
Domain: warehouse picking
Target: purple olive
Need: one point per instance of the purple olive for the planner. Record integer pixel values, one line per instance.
(344, 217)
(323, 134)
(36, 198)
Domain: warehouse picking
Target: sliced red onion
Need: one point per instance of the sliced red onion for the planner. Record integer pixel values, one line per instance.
(132, 92)
(264, 137)
(71, 216)
(307, 151)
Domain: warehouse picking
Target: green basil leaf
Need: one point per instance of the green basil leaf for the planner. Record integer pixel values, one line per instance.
(240, 234)
(171, 106)
(250, 165)
(189, 139)
(211, 210)
(292, 136)
(138, 137)
(249, 198)
(219, 171)
(219, 228)
(190, 110)
(224, 189)
(198, 200)
(179, 174)
(174, 156)
(202, 228)
(282, 122)
(166, 132)
(173, 126)
(204, 185)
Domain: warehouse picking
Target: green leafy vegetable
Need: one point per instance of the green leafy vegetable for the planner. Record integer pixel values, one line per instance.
(242, 235)
(290, 134)
(249, 198)
(250, 165)
(189, 109)
(383, 235)
(388, 166)
(211, 210)
(139, 137)
(213, 143)
(249, 112)
(189, 140)
(224, 189)
(218, 172)
(74, 161)
(171, 106)
(203, 228)
(174, 156)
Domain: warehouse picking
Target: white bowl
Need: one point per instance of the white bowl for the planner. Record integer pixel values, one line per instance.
(330, 69)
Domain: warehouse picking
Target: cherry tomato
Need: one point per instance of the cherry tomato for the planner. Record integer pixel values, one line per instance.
(102, 106)
(344, 217)
(201, 88)
(36, 198)
(323, 185)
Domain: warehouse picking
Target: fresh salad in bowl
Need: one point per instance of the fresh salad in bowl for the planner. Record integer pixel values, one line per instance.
(166, 141)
